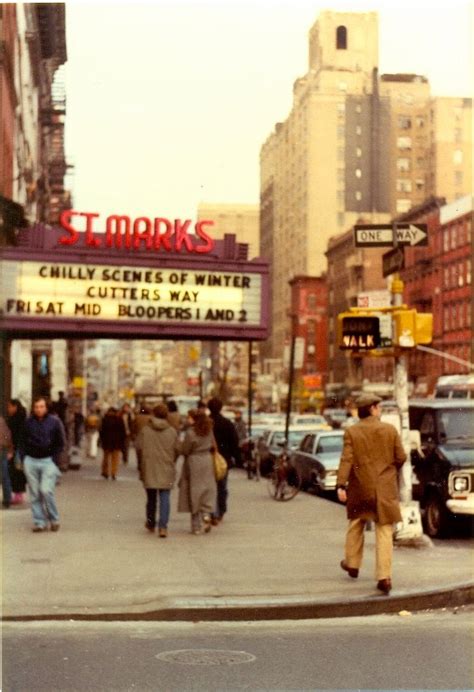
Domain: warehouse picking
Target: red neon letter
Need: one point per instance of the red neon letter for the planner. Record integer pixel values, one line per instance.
(202, 234)
(145, 235)
(181, 231)
(118, 221)
(65, 221)
(90, 237)
(163, 238)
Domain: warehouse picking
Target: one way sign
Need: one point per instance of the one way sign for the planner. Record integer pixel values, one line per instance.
(381, 235)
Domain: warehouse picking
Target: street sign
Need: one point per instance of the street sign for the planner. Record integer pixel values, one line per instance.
(393, 261)
(381, 235)
(374, 299)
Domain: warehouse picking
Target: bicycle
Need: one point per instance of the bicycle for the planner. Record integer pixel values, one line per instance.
(284, 482)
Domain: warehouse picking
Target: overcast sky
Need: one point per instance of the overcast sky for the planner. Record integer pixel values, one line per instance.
(170, 101)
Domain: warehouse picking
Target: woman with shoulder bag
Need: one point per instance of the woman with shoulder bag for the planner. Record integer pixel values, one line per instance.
(197, 485)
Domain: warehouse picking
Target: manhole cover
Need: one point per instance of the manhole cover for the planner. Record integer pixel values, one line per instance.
(206, 657)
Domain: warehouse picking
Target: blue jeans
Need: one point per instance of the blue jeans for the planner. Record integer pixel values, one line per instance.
(6, 482)
(42, 475)
(152, 496)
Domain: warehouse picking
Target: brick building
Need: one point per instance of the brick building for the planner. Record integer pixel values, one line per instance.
(438, 280)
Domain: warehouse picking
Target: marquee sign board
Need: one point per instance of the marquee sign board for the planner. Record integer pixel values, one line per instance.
(144, 297)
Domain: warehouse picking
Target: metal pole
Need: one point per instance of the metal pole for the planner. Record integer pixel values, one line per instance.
(401, 397)
(250, 391)
(291, 376)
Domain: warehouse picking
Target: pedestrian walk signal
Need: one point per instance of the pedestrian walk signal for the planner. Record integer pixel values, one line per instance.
(358, 332)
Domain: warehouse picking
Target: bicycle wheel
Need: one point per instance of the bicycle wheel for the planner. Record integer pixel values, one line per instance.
(283, 484)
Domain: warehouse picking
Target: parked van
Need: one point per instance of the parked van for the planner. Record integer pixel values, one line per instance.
(455, 387)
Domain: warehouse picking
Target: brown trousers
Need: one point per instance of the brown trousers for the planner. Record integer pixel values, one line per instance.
(383, 547)
(111, 456)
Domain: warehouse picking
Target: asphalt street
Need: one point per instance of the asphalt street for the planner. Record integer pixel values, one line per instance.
(431, 650)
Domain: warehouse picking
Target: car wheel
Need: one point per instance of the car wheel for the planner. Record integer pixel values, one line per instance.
(435, 517)
(315, 485)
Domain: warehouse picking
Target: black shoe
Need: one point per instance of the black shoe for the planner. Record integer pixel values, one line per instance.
(104, 475)
(114, 478)
(6, 505)
(54, 526)
(352, 571)
(385, 586)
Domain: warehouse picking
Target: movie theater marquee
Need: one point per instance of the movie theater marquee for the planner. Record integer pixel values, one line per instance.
(110, 288)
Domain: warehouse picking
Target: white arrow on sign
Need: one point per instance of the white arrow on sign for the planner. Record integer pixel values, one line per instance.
(382, 236)
(413, 235)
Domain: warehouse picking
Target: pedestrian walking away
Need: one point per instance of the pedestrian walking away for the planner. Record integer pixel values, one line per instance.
(228, 445)
(141, 419)
(159, 448)
(43, 442)
(197, 484)
(174, 417)
(127, 417)
(6, 450)
(367, 481)
(112, 435)
(92, 432)
(16, 420)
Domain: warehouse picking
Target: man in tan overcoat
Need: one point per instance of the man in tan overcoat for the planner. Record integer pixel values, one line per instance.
(367, 481)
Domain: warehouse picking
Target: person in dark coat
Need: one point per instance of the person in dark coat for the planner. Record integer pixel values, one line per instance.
(44, 441)
(228, 445)
(367, 481)
(112, 438)
(16, 420)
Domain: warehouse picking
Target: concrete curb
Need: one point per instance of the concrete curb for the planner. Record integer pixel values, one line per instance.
(251, 609)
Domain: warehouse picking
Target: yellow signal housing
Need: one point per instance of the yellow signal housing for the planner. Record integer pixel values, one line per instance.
(424, 327)
(411, 328)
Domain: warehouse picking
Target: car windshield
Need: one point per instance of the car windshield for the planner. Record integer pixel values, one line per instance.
(294, 437)
(457, 424)
(330, 444)
(310, 420)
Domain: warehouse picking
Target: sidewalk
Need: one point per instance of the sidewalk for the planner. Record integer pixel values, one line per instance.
(266, 560)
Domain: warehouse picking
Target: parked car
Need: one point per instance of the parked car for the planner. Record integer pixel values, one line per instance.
(313, 419)
(317, 460)
(335, 416)
(444, 466)
(270, 444)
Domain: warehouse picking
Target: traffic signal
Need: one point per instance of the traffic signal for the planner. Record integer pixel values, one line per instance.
(359, 332)
(411, 328)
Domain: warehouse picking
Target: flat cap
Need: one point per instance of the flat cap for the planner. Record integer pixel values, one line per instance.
(367, 399)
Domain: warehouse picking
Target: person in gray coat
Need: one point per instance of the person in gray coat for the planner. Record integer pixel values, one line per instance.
(197, 485)
(158, 445)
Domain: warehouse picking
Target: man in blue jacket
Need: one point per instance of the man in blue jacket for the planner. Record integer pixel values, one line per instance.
(43, 442)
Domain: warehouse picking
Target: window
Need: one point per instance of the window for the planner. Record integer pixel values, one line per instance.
(458, 177)
(461, 275)
(340, 154)
(358, 173)
(358, 108)
(420, 161)
(341, 175)
(342, 86)
(446, 315)
(458, 135)
(468, 271)
(404, 122)
(457, 157)
(404, 185)
(341, 108)
(340, 130)
(453, 280)
(404, 142)
(358, 152)
(454, 316)
(341, 38)
(420, 121)
(403, 205)
(311, 302)
(446, 240)
(446, 277)
(420, 184)
(358, 130)
(454, 237)
(403, 165)
(358, 195)
(340, 195)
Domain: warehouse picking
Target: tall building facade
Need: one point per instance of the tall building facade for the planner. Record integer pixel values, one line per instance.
(32, 162)
(355, 144)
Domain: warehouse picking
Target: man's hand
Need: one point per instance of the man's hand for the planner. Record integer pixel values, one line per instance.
(341, 495)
